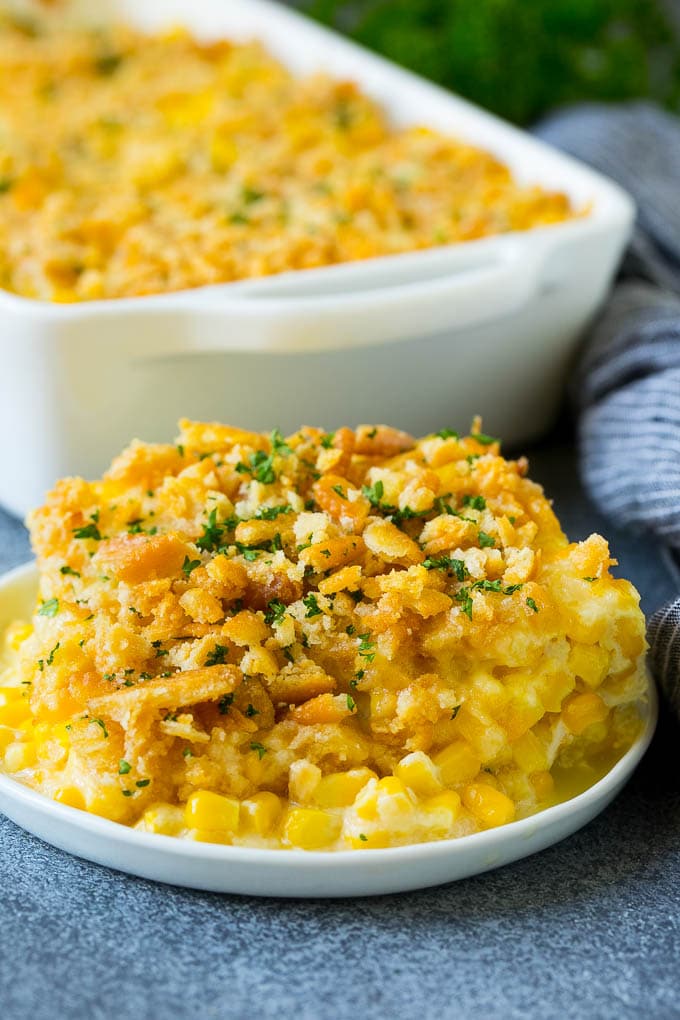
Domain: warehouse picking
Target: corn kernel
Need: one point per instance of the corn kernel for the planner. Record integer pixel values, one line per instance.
(303, 780)
(581, 710)
(529, 753)
(376, 839)
(543, 783)
(310, 829)
(339, 789)
(419, 773)
(457, 763)
(490, 807)
(19, 755)
(212, 811)
(443, 810)
(260, 812)
(70, 796)
(7, 736)
(164, 819)
(590, 663)
(16, 635)
(14, 713)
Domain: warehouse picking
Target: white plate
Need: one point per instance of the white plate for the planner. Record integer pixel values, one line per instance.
(233, 869)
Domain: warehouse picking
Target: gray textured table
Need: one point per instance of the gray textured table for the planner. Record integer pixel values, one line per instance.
(588, 928)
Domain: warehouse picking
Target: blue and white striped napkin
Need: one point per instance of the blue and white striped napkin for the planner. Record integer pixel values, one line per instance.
(627, 384)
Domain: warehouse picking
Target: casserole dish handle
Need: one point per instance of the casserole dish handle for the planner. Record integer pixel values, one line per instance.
(275, 321)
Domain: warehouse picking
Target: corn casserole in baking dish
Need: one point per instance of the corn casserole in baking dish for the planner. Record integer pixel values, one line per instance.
(136, 164)
(335, 640)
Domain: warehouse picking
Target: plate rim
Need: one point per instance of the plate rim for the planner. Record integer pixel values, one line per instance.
(314, 860)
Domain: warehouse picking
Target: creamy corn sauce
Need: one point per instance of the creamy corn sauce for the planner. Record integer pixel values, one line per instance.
(335, 640)
(134, 164)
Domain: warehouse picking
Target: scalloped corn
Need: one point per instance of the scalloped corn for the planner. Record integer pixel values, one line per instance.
(335, 640)
(133, 164)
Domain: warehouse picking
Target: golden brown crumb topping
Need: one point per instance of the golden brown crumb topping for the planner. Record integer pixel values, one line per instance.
(135, 164)
(241, 615)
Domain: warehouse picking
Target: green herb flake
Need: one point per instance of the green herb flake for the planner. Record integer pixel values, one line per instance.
(455, 710)
(225, 703)
(251, 711)
(474, 502)
(327, 440)
(363, 837)
(68, 571)
(123, 767)
(218, 656)
(374, 493)
(464, 597)
(49, 608)
(482, 438)
(102, 726)
(447, 434)
(340, 491)
(212, 534)
(127, 793)
(448, 563)
(189, 565)
(351, 703)
(589, 579)
(260, 748)
(310, 601)
(275, 612)
(486, 541)
(532, 605)
(187, 753)
(141, 783)
(366, 647)
(270, 513)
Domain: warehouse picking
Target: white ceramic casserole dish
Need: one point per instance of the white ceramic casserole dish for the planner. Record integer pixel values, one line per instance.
(422, 340)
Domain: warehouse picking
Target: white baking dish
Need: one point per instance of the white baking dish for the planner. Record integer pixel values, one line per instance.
(421, 340)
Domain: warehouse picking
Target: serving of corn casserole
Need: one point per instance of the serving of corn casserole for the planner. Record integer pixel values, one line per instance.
(133, 164)
(327, 641)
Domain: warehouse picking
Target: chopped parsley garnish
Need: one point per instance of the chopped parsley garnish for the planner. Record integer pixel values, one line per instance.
(275, 612)
(260, 748)
(532, 605)
(88, 531)
(225, 703)
(363, 837)
(327, 440)
(350, 629)
(366, 647)
(66, 570)
(474, 502)
(351, 703)
(248, 554)
(449, 563)
(218, 656)
(102, 726)
(127, 793)
(187, 753)
(50, 657)
(49, 608)
(374, 493)
(180, 449)
(455, 710)
(340, 491)
(312, 605)
(485, 541)
(373, 433)
(252, 195)
(591, 579)
(141, 783)
(189, 565)
(447, 434)
(212, 534)
(251, 711)
(463, 596)
(123, 767)
(270, 513)
(482, 438)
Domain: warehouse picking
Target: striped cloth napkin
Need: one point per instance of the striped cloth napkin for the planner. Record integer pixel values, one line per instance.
(627, 385)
